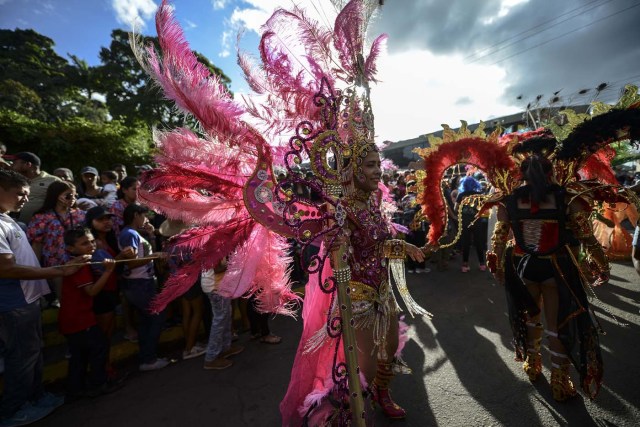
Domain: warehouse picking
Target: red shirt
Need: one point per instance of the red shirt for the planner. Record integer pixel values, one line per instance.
(76, 305)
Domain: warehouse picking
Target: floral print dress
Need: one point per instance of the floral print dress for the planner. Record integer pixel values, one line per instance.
(48, 229)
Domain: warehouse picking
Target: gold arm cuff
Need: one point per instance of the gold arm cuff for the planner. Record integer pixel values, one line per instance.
(394, 249)
(581, 225)
(597, 260)
(500, 233)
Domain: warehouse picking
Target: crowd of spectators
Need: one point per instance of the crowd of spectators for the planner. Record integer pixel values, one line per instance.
(50, 224)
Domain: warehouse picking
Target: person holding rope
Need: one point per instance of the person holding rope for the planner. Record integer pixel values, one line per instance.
(139, 286)
(22, 283)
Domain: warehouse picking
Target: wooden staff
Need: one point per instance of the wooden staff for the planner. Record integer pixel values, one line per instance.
(342, 274)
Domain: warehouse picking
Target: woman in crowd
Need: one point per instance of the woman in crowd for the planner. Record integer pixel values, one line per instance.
(90, 192)
(46, 228)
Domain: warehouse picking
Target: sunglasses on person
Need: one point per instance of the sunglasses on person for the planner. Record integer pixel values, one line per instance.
(70, 196)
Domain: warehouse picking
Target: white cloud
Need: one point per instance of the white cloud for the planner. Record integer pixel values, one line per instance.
(226, 43)
(419, 91)
(189, 25)
(219, 4)
(133, 12)
(253, 17)
(505, 7)
(508, 4)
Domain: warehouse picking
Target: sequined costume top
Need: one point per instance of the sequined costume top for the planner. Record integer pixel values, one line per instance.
(368, 234)
(538, 231)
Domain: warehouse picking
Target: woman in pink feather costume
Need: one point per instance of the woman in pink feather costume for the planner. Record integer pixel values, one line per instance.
(313, 87)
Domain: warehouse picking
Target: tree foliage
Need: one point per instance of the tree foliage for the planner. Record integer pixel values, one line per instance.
(76, 142)
(129, 94)
(29, 58)
(72, 114)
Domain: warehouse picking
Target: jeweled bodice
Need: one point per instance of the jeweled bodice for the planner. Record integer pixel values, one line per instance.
(368, 233)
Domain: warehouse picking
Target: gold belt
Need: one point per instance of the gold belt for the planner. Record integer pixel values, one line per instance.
(362, 292)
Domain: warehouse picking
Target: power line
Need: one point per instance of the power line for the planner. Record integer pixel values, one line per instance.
(536, 33)
(536, 26)
(564, 34)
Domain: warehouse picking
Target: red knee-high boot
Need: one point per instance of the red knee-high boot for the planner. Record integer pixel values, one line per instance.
(381, 395)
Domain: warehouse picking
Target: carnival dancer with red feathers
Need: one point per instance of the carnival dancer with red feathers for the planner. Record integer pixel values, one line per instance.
(313, 104)
(543, 248)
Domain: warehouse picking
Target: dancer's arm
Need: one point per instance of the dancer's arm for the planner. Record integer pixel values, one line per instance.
(495, 256)
(581, 224)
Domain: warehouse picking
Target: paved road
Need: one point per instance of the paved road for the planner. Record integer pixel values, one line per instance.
(464, 373)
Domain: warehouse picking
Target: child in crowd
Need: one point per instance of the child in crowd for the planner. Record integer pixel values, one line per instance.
(109, 181)
(219, 347)
(87, 343)
(139, 285)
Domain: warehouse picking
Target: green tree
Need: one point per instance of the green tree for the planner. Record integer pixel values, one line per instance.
(85, 102)
(28, 57)
(77, 142)
(19, 98)
(126, 86)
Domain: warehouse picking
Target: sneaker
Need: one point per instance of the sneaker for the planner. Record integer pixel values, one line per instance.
(423, 270)
(465, 269)
(411, 271)
(194, 352)
(27, 414)
(231, 351)
(219, 363)
(158, 364)
(49, 400)
(483, 267)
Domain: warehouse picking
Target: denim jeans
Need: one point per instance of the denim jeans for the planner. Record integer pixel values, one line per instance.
(140, 293)
(21, 347)
(220, 334)
(88, 348)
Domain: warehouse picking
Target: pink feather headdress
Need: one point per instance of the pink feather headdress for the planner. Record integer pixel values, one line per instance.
(312, 86)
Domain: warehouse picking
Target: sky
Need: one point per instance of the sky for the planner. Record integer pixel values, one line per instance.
(446, 61)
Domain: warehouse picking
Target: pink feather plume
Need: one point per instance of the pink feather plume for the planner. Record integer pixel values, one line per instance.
(207, 245)
(258, 264)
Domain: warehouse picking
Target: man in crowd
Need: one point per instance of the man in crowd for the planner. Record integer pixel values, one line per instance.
(28, 164)
(64, 174)
(21, 286)
(121, 170)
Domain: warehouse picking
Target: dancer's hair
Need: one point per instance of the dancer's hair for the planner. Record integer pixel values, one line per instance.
(535, 170)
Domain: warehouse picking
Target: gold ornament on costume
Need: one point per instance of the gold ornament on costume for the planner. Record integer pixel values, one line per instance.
(450, 135)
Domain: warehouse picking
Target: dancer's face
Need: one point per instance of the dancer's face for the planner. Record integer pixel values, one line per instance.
(371, 172)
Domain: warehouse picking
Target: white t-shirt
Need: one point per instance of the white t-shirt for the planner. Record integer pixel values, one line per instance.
(110, 194)
(208, 281)
(14, 241)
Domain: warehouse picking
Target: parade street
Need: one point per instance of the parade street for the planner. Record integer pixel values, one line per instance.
(462, 360)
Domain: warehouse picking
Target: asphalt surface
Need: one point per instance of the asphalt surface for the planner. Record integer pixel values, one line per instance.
(464, 372)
